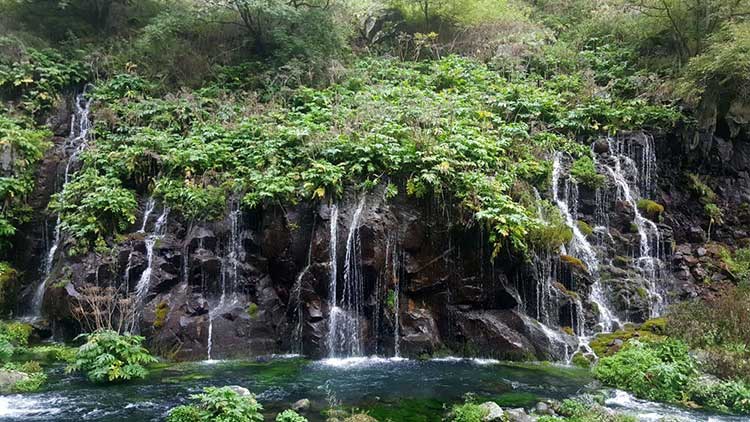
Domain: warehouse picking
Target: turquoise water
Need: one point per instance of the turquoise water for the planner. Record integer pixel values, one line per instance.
(402, 390)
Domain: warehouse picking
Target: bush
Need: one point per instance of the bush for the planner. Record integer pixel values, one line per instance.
(469, 411)
(35, 376)
(111, 357)
(654, 371)
(584, 171)
(94, 206)
(290, 416)
(218, 405)
(726, 396)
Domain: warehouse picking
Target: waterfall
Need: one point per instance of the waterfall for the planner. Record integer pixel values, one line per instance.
(297, 295)
(233, 256)
(393, 252)
(579, 246)
(77, 141)
(649, 252)
(345, 324)
(147, 210)
(141, 289)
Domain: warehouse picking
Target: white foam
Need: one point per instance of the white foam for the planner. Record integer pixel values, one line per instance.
(18, 405)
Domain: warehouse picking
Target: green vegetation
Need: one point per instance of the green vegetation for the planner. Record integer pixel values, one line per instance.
(111, 357)
(656, 371)
(738, 264)
(651, 209)
(290, 416)
(219, 405)
(469, 411)
(584, 227)
(577, 411)
(718, 329)
(584, 171)
(25, 143)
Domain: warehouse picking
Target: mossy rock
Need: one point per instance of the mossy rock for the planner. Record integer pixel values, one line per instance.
(655, 325)
(602, 343)
(160, 314)
(360, 417)
(581, 360)
(573, 262)
(651, 209)
(252, 310)
(585, 228)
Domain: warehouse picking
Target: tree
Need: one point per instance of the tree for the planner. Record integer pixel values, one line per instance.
(260, 18)
(689, 23)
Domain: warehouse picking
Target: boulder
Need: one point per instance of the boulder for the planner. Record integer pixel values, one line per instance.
(517, 415)
(9, 378)
(301, 406)
(494, 412)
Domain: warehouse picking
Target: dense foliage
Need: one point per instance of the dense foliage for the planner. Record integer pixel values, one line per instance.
(665, 371)
(219, 405)
(584, 411)
(111, 357)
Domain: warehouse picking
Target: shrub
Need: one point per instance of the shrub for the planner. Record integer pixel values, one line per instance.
(215, 404)
(93, 206)
(584, 171)
(111, 357)
(290, 416)
(35, 376)
(726, 396)
(655, 371)
(469, 411)
(738, 264)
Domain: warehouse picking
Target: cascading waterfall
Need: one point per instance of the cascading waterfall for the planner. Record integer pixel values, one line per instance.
(77, 141)
(148, 209)
(297, 295)
(142, 288)
(579, 246)
(229, 271)
(649, 253)
(395, 276)
(344, 335)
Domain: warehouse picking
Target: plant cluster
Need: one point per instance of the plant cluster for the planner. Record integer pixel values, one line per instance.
(452, 126)
(222, 404)
(111, 357)
(665, 371)
(576, 410)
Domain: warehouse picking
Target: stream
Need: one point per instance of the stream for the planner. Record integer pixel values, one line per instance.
(395, 389)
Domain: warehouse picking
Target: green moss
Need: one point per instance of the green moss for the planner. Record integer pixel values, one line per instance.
(252, 310)
(580, 360)
(585, 228)
(650, 208)
(655, 325)
(573, 262)
(633, 228)
(160, 314)
(622, 261)
(584, 171)
(601, 343)
(568, 330)
(7, 287)
(642, 292)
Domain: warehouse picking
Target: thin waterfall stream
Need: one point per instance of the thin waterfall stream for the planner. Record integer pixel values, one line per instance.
(77, 141)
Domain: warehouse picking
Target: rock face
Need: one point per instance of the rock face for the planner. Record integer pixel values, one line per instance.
(9, 378)
(406, 277)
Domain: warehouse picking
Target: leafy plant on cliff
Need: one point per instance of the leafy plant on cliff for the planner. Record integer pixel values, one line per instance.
(218, 405)
(111, 357)
(93, 206)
